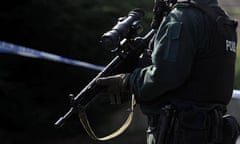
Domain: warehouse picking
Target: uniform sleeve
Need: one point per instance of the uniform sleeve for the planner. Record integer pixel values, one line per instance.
(172, 57)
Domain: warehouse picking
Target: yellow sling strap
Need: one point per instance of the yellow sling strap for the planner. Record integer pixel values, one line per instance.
(84, 120)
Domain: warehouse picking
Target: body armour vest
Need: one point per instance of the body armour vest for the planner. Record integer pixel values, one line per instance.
(212, 74)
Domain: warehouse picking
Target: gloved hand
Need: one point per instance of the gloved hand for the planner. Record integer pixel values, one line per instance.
(116, 87)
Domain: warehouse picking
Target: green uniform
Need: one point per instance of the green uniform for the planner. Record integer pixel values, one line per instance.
(180, 35)
(184, 92)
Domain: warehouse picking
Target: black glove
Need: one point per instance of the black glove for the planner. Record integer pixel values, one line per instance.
(116, 87)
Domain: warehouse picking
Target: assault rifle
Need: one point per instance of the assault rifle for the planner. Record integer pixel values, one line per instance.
(123, 39)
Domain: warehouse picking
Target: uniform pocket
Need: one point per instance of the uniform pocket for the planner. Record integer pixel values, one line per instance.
(231, 130)
(172, 42)
(193, 127)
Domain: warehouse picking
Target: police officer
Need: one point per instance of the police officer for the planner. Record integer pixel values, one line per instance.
(184, 92)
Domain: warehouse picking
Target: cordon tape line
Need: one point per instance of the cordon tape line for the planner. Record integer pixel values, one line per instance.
(10, 48)
(236, 94)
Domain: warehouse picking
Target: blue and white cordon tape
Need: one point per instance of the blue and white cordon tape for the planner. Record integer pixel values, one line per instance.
(9, 48)
(27, 52)
(236, 94)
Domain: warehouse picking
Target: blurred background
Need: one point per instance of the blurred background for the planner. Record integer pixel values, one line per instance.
(34, 93)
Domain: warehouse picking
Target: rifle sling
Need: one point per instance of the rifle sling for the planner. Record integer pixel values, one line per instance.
(84, 121)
